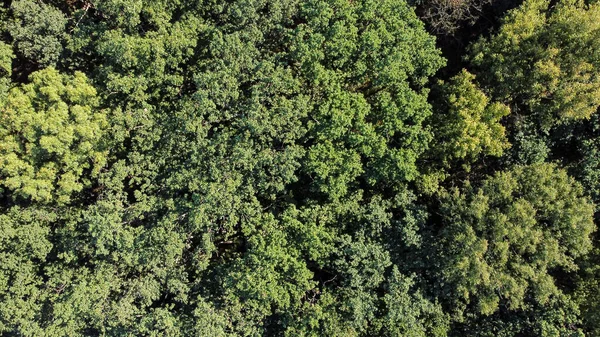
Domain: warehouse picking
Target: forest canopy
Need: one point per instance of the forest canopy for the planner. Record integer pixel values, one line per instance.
(299, 168)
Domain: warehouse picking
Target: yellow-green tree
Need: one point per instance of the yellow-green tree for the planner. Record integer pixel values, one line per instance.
(468, 124)
(501, 241)
(544, 60)
(50, 137)
(6, 57)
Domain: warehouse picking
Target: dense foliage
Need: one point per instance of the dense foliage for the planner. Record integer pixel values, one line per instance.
(299, 168)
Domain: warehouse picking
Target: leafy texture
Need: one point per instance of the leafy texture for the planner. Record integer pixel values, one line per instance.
(471, 125)
(37, 30)
(502, 241)
(50, 137)
(544, 60)
(290, 168)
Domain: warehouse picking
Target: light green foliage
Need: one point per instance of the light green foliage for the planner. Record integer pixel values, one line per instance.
(544, 60)
(24, 243)
(471, 125)
(501, 241)
(50, 135)
(6, 57)
(38, 31)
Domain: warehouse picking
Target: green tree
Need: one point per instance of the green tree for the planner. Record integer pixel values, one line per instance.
(38, 31)
(588, 165)
(543, 60)
(559, 316)
(248, 168)
(367, 64)
(50, 137)
(202, 207)
(6, 57)
(587, 293)
(24, 243)
(501, 242)
(468, 124)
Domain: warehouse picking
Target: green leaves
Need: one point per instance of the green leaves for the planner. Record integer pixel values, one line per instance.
(6, 57)
(368, 120)
(542, 61)
(470, 127)
(409, 313)
(38, 31)
(24, 246)
(51, 137)
(501, 241)
(280, 168)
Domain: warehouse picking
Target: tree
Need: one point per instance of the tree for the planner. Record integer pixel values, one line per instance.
(587, 167)
(6, 57)
(467, 125)
(38, 31)
(51, 137)
(502, 242)
(276, 168)
(557, 317)
(366, 66)
(543, 61)
(587, 293)
(218, 116)
(447, 16)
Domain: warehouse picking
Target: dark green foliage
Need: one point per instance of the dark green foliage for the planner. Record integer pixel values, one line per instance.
(558, 317)
(588, 292)
(367, 126)
(37, 30)
(588, 166)
(281, 168)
